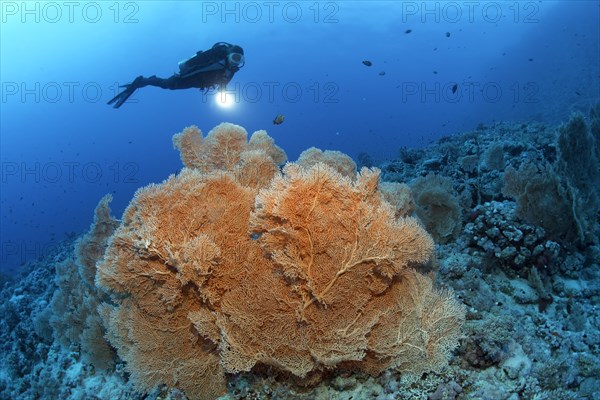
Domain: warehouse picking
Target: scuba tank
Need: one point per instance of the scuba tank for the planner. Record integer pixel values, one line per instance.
(221, 56)
(190, 63)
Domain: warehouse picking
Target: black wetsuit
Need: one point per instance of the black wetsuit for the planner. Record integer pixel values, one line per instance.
(213, 68)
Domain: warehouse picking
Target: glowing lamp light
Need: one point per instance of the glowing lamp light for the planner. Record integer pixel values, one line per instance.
(224, 99)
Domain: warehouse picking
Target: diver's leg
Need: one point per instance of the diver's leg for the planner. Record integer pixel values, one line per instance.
(169, 83)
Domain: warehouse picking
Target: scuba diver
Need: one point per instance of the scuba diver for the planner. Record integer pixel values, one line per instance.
(209, 69)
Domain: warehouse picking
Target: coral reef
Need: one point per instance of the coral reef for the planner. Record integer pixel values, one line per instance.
(532, 322)
(326, 264)
(41, 360)
(516, 246)
(26, 337)
(59, 315)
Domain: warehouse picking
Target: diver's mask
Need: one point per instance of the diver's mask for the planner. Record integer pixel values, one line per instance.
(235, 60)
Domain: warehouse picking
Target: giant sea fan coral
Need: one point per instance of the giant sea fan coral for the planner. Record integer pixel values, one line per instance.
(437, 206)
(562, 197)
(215, 272)
(74, 317)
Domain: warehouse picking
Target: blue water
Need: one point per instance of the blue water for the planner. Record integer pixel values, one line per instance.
(63, 148)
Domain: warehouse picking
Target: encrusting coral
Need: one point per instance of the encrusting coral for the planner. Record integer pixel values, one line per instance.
(234, 264)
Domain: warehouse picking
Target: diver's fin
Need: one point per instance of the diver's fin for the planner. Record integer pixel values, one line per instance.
(122, 97)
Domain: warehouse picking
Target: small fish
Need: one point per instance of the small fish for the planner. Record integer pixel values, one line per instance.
(408, 31)
(447, 34)
(367, 63)
(279, 119)
(382, 73)
(454, 88)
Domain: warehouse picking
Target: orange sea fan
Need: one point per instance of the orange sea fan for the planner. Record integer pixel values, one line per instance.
(224, 149)
(341, 162)
(217, 270)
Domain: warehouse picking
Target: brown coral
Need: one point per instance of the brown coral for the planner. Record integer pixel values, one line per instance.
(437, 206)
(211, 275)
